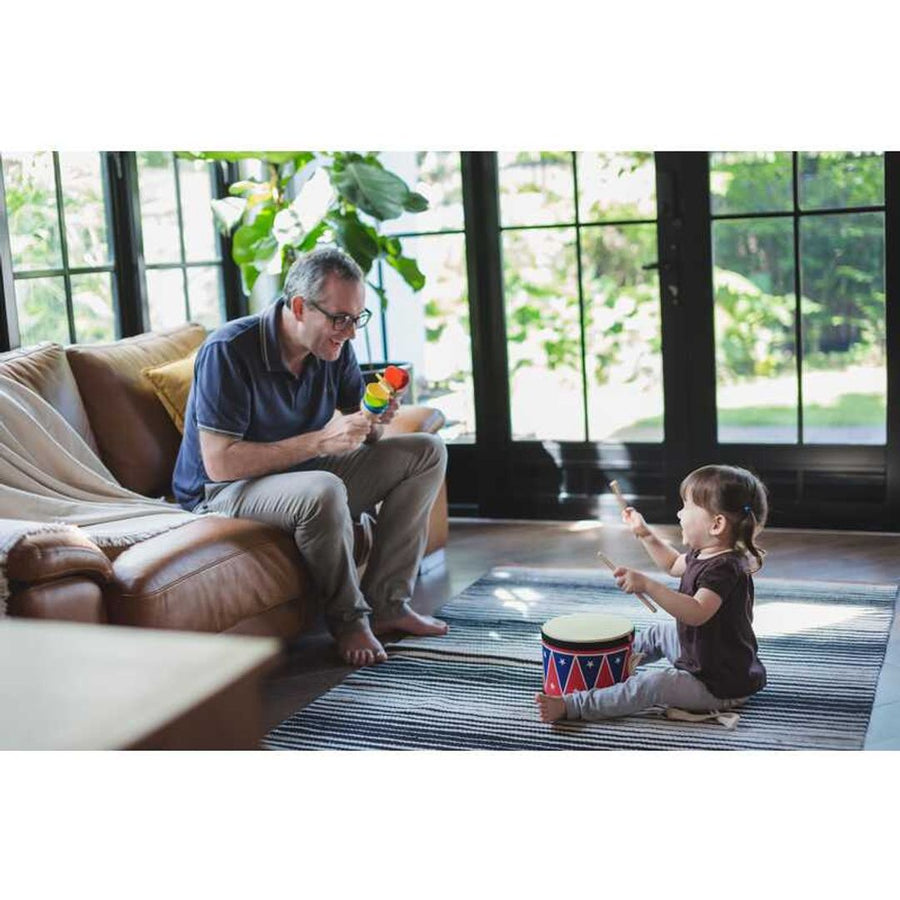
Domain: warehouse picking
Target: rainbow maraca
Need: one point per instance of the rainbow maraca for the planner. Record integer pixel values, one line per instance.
(378, 394)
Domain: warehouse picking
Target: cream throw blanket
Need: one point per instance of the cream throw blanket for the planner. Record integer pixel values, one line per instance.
(50, 480)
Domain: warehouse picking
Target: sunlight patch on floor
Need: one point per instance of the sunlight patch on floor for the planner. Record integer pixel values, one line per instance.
(585, 525)
(520, 600)
(790, 618)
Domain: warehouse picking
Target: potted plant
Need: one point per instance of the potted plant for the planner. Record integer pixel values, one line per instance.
(270, 220)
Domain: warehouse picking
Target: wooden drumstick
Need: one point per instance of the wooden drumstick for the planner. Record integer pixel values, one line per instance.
(614, 487)
(612, 568)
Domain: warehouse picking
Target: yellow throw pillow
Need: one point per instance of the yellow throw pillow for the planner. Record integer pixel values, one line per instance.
(172, 384)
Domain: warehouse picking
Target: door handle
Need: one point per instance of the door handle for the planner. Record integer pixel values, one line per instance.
(664, 268)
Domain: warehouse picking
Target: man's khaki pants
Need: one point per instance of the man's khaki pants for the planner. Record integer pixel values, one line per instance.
(318, 506)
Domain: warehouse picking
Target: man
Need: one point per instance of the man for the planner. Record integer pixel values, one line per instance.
(260, 442)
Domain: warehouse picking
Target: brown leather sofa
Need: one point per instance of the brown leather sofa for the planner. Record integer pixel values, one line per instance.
(212, 574)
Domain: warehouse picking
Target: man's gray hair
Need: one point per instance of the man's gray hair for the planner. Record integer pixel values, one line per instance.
(307, 275)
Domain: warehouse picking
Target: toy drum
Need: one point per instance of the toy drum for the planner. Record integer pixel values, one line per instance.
(584, 651)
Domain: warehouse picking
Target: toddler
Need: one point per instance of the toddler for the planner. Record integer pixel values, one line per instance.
(711, 644)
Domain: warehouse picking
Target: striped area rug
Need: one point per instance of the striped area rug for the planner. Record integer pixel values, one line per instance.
(822, 643)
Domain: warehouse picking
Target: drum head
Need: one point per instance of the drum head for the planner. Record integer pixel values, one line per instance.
(587, 628)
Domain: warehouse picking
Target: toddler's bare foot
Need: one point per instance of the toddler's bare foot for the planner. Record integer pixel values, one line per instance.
(550, 708)
(411, 622)
(359, 647)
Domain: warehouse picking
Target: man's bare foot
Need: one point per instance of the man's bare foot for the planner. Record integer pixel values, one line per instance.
(550, 708)
(410, 622)
(359, 647)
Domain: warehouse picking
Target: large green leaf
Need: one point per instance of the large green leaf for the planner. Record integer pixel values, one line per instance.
(249, 274)
(254, 241)
(415, 202)
(287, 227)
(303, 173)
(312, 236)
(409, 270)
(359, 240)
(247, 187)
(374, 190)
(228, 212)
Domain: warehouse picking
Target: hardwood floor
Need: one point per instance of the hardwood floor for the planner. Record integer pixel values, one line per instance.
(475, 546)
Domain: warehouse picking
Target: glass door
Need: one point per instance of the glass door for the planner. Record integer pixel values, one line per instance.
(581, 296)
(640, 314)
(798, 249)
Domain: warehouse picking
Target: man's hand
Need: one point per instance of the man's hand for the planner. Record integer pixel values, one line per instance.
(630, 580)
(390, 411)
(635, 521)
(344, 434)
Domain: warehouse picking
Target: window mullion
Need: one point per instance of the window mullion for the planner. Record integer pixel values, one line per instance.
(381, 311)
(132, 313)
(798, 309)
(64, 246)
(109, 215)
(9, 316)
(236, 304)
(892, 328)
(187, 302)
(581, 313)
(487, 315)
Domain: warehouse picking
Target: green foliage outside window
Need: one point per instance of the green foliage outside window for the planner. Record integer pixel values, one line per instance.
(618, 292)
(842, 280)
(841, 257)
(35, 240)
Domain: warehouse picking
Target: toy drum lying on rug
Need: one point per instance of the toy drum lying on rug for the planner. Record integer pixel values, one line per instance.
(585, 651)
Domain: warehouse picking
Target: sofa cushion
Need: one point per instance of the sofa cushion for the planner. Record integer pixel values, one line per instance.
(136, 437)
(208, 575)
(45, 369)
(172, 384)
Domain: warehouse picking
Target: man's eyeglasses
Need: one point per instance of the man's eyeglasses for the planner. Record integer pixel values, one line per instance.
(343, 321)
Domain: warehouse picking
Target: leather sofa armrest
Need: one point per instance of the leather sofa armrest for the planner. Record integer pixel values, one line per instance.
(415, 418)
(51, 555)
(75, 599)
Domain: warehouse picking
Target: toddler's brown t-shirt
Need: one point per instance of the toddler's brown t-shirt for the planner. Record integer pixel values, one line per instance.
(723, 652)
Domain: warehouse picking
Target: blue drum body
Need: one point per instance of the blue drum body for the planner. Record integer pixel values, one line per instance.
(585, 651)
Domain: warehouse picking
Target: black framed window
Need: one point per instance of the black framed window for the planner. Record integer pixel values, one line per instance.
(775, 285)
(183, 258)
(60, 245)
(429, 328)
(581, 295)
(798, 245)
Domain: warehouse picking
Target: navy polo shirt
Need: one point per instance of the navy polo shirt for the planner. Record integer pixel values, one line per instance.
(243, 389)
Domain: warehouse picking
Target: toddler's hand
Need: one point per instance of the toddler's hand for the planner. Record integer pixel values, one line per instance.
(550, 708)
(630, 580)
(635, 521)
